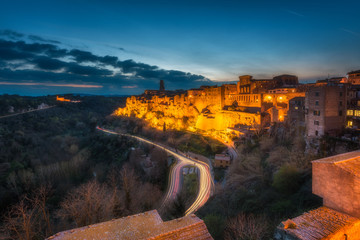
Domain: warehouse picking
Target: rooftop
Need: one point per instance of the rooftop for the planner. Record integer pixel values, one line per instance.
(353, 72)
(349, 162)
(318, 224)
(148, 225)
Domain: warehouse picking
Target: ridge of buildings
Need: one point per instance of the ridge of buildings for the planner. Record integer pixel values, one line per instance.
(325, 107)
(147, 225)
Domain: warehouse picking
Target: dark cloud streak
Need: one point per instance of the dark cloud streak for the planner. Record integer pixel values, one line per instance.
(55, 64)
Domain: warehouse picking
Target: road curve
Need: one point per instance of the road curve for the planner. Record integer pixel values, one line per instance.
(206, 184)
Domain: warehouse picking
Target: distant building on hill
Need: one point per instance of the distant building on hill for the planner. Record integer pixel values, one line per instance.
(147, 225)
(222, 160)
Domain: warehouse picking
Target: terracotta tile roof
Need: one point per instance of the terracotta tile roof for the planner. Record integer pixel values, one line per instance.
(349, 162)
(338, 158)
(318, 224)
(148, 225)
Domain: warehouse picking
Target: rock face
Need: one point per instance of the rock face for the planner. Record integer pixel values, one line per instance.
(181, 114)
(250, 103)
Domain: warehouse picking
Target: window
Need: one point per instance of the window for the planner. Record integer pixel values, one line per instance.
(316, 123)
(317, 94)
(316, 133)
(317, 103)
(340, 103)
(350, 112)
(357, 113)
(316, 113)
(340, 94)
(340, 113)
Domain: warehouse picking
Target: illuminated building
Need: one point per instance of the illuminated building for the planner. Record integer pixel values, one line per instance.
(215, 109)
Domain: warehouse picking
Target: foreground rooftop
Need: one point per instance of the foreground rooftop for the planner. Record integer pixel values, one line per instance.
(322, 223)
(148, 225)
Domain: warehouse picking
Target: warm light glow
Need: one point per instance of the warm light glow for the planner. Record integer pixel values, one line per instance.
(350, 112)
(268, 98)
(281, 99)
(62, 99)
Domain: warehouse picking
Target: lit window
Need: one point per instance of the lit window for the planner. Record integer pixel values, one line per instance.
(350, 123)
(296, 108)
(357, 113)
(350, 112)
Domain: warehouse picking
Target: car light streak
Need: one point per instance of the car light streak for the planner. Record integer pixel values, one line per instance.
(206, 183)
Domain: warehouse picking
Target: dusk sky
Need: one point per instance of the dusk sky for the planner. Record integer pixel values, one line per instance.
(124, 47)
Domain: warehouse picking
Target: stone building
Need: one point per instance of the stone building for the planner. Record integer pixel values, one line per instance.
(354, 77)
(222, 160)
(325, 109)
(250, 103)
(148, 225)
(337, 180)
(296, 112)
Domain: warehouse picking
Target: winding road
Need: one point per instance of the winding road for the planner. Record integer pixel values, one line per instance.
(206, 183)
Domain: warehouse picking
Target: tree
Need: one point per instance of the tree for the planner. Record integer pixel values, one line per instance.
(29, 219)
(21, 221)
(87, 204)
(246, 227)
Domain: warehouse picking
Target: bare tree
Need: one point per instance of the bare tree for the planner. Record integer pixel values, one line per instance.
(246, 227)
(29, 218)
(89, 203)
(40, 201)
(21, 221)
(129, 184)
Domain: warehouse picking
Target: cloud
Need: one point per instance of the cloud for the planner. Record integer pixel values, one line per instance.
(351, 32)
(294, 13)
(11, 34)
(44, 61)
(40, 39)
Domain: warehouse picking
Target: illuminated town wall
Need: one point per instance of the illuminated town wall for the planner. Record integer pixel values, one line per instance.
(214, 108)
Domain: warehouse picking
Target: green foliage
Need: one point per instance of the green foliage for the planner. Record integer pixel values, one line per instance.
(215, 224)
(287, 179)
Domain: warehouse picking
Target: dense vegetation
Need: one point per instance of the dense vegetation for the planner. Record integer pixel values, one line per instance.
(57, 172)
(269, 183)
(54, 167)
(15, 103)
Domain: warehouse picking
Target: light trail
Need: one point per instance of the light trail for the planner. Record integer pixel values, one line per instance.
(34, 110)
(206, 183)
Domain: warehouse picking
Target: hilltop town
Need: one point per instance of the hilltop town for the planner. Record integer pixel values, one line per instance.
(325, 107)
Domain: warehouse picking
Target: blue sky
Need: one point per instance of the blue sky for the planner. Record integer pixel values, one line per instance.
(212, 40)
